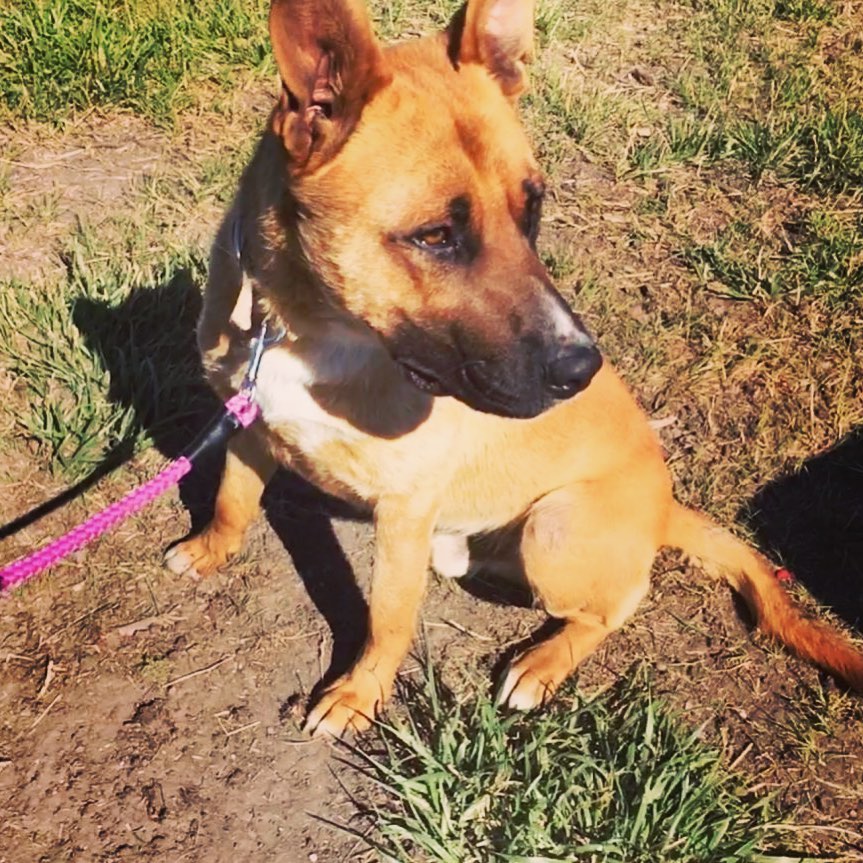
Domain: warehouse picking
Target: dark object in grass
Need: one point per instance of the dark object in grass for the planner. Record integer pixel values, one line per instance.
(812, 521)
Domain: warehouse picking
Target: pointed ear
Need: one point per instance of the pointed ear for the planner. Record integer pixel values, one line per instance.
(499, 35)
(331, 65)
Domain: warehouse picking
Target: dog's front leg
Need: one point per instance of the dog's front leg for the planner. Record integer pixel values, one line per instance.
(248, 468)
(403, 532)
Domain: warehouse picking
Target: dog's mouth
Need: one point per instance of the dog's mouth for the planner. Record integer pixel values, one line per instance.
(471, 389)
(520, 380)
(490, 397)
(422, 379)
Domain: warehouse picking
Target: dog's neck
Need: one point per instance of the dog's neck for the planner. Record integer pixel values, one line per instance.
(345, 370)
(339, 361)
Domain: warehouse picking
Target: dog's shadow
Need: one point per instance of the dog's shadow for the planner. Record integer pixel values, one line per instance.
(146, 342)
(811, 521)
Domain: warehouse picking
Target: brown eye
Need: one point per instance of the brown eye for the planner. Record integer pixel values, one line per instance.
(435, 239)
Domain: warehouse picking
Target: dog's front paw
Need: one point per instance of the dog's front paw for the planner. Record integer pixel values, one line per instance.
(201, 555)
(350, 704)
(532, 679)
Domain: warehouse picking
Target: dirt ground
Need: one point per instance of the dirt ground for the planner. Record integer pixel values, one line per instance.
(145, 716)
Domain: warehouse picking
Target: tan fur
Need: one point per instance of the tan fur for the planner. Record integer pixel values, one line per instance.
(364, 145)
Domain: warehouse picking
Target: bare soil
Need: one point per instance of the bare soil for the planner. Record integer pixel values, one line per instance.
(144, 716)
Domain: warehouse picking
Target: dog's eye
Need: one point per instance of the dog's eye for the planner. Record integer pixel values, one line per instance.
(437, 239)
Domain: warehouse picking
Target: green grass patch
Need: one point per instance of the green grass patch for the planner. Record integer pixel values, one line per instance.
(753, 84)
(563, 108)
(821, 258)
(58, 56)
(829, 155)
(609, 777)
(394, 18)
(803, 10)
(562, 111)
(682, 139)
(106, 359)
(822, 153)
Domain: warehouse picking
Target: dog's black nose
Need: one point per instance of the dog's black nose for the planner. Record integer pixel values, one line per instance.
(572, 369)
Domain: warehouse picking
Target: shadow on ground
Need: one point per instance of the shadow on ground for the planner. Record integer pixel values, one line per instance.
(147, 344)
(302, 518)
(812, 522)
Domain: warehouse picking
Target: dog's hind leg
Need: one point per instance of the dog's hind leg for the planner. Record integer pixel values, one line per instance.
(587, 554)
(248, 468)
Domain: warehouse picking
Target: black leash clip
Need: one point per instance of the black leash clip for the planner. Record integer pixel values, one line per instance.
(225, 424)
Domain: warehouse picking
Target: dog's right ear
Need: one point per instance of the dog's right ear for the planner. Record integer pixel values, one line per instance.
(330, 64)
(498, 34)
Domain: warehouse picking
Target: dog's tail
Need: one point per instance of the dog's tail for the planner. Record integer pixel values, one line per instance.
(752, 576)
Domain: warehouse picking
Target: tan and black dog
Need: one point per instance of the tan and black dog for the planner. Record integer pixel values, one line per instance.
(430, 371)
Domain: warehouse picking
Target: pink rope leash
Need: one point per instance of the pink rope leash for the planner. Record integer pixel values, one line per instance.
(239, 407)
(100, 523)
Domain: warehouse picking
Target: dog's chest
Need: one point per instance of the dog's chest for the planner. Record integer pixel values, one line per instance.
(284, 393)
(341, 414)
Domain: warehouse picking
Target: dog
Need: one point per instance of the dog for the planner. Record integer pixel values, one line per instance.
(428, 369)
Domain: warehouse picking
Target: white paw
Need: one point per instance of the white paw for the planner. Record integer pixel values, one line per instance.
(450, 555)
(180, 562)
(521, 689)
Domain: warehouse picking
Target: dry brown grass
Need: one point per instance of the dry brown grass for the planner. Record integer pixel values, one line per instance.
(661, 209)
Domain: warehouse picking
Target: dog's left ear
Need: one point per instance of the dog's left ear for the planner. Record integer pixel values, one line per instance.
(499, 35)
(331, 65)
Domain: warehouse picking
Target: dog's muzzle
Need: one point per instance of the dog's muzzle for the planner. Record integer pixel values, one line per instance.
(514, 359)
(523, 383)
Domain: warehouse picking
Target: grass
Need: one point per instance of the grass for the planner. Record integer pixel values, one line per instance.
(609, 777)
(821, 256)
(755, 83)
(105, 358)
(804, 10)
(393, 20)
(813, 714)
(148, 56)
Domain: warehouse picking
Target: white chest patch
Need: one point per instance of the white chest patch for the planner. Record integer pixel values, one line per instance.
(283, 394)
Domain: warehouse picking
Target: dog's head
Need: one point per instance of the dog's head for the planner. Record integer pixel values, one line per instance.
(418, 199)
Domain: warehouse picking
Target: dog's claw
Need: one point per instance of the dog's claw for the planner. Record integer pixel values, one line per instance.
(179, 562)
(335, 721)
